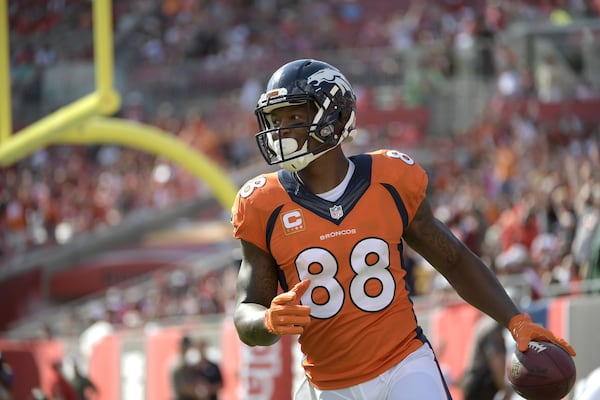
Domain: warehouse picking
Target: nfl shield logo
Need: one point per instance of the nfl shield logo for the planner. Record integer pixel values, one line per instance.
(336, 212)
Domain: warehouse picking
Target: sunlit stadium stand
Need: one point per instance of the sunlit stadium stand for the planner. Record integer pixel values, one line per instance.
(499, 103)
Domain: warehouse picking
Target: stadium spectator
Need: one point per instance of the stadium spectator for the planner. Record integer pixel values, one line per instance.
(586, 206)
(86, 389)
(593, 270)
(551, 80)
(156, 21)
(176, 373)
(515, 262)
(6, 379)
(484, 377)
(210, 370)
(306, 112)
(38, 394)
(61, 388)
(194, 376)
(43, 199)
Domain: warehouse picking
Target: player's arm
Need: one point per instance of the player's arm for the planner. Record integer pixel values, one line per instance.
(466, 272)
(472, 279)
(261, 316)
(256, 287)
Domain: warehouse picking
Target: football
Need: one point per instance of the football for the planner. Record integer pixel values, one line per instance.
(544, 372)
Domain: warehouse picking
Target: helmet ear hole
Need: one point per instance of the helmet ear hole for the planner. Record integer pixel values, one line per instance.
(329, 123)
(326, 131)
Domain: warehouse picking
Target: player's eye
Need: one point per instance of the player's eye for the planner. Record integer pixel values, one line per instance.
(291, 121)
(298, 118)
(273, 121)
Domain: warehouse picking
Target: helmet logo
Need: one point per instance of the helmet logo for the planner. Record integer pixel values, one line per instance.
(330, 76)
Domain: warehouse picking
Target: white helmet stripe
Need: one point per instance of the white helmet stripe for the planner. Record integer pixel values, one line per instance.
(349, 127)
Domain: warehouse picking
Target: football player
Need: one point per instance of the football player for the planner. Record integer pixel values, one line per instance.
(330, 231)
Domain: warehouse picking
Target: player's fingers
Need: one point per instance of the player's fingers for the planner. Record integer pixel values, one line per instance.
(298, 310)
(300, 287)
(293, 295)
(565, 345)
(298, 290)
(547, 336)
(284, 298)
(288, 310)
(285, 320)
(289, 330)
(523, 345)
(543, 337)
(288, 320)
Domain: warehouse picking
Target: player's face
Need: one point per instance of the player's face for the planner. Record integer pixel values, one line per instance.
(292, 121)
(290, 130)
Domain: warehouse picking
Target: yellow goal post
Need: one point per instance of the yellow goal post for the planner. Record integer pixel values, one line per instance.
(87, 120)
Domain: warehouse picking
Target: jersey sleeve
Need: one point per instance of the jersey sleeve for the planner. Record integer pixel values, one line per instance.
(407, 176)
(415, 193)
(247, 213)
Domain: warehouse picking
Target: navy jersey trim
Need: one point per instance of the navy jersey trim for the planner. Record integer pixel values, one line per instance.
(282, 280)
(399, 204)
(271, 225)
(426, 341)
(359, 183)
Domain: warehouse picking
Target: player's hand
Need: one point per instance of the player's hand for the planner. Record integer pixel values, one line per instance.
(286, 316)
(523, 330)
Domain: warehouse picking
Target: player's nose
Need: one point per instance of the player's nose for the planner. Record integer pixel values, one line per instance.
(286, 129)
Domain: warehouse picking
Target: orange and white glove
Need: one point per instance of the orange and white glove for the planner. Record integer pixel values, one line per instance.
(523, 330)
(286, 316)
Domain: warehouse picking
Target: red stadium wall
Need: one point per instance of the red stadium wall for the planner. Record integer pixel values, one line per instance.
(31, 363)
(104, 367)
(139, 362)
(451, 335)
(96, 278)
(101, 272)
(261, 373)
(248, 372)
(19, 296)
(161, 353)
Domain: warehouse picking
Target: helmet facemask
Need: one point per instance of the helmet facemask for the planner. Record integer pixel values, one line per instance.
(333, 121)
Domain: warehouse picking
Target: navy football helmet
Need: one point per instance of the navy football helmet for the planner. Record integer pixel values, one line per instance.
(306, 82)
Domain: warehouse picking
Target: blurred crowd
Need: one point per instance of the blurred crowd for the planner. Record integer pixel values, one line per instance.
(520, 190)
(174, 296)
(525, 195)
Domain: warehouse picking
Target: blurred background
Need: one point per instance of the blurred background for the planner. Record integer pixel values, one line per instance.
(109, 254)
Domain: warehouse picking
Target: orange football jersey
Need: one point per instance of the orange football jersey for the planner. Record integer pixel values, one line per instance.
(363, 321)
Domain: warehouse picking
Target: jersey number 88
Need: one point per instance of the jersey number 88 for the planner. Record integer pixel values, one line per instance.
(325, 278)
